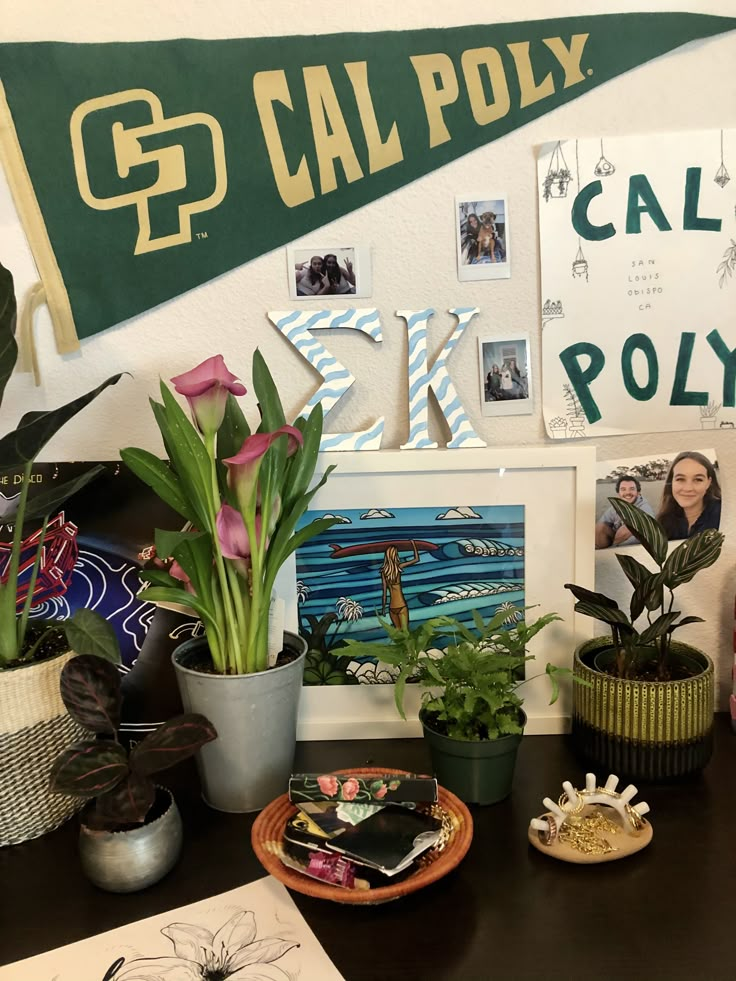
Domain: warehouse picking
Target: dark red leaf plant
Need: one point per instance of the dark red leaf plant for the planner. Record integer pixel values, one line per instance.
(101, 767)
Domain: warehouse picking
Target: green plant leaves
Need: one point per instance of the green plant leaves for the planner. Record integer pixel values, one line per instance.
(127, 802)
(36, 428)
(89, 633)
(172, 742)
(269, 403)
(588, 596)
(48, 501)
(88, 769)
(644, 527)
(90, 690)
(692, 555)
(8, 313)
(159, 476)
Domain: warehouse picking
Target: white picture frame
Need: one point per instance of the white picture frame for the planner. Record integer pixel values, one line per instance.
(477, 258)
(508, 359)
(353, 263)
(559, 549)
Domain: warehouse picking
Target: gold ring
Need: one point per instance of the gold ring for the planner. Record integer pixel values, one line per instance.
(548, 836)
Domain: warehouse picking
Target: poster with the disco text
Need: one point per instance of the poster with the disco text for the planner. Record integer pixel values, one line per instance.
(638, 256)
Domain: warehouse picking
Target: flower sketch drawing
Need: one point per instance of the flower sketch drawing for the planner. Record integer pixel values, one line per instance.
(233, 953)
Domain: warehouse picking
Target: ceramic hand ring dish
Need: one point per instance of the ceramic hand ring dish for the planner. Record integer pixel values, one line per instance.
(595, 824)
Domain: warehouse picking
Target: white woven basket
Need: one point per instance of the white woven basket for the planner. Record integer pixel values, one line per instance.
(34, 728)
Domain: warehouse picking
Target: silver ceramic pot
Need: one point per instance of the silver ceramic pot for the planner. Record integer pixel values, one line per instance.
(126, 861)
(255, 715)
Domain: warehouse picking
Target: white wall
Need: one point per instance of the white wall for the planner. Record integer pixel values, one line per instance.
(411, 233)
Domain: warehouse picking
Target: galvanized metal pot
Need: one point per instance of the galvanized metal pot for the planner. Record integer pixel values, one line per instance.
(648, 730)
(255, 715)
(477, 772)
(126, 861)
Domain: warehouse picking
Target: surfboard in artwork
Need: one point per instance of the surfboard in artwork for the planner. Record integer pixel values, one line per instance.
(402, 566)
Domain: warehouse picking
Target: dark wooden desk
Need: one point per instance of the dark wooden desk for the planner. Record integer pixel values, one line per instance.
(506, 913)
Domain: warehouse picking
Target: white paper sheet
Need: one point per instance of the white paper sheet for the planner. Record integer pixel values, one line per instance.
(638, 255)
(252, 932)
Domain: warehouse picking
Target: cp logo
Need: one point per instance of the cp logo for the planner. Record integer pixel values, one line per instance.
(127, 153)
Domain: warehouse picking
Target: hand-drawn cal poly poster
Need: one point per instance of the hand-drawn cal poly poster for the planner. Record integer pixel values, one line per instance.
(638, 253)
(402, 565)
(253, 932)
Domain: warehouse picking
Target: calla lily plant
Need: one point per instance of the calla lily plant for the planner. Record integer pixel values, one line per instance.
(241, 494)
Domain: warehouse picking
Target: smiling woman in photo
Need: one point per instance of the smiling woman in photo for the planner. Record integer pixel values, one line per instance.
(691, 500)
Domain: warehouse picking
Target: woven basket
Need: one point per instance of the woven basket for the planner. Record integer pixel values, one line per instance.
(34, 728)
(268, 832)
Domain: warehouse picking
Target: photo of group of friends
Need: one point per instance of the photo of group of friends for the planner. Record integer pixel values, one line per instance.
(505, 381)
(682, 491)
(482, 237)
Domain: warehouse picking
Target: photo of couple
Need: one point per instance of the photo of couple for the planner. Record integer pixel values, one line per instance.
(681, 491)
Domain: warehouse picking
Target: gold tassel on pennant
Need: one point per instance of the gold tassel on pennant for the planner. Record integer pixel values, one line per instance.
(27, 353)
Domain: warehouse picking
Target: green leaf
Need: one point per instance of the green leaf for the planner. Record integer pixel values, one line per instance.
(634, 571)
(173, 741)
(36, 428)
(692, 555)
(8, 313)
(194, 555)
(128, 802)
(160, 478)
(685, 621)
(659, 627)
(89, 633)
(647, 595)
(177, 597)
(604, 613)
(644, 527)
(47, 502)
(234, 430)
(188, 455)
(269, 403)
(304, 462)
(90, 690)
(588, 596)
(88, 769)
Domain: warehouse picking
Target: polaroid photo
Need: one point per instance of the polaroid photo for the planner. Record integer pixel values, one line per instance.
(482, 229)
(505, 376)
(328, 270)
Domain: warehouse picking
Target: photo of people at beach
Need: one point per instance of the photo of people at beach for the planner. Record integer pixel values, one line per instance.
(681, 490)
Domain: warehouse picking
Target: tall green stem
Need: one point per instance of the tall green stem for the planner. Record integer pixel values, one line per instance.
(233, 654)
(23, 619)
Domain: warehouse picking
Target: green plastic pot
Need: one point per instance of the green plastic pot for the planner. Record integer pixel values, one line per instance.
(477, 772)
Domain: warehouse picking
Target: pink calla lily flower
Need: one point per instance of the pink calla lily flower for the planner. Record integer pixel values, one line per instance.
(206, 389)
(233, 536)
(176, 572)
(244, 466)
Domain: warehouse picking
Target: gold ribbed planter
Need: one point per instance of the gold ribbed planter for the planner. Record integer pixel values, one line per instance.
(651, 730)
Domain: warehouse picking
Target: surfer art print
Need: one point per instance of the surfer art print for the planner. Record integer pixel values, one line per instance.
(402, 565)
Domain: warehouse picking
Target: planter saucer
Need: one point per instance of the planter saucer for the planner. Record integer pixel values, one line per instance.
(593, 825)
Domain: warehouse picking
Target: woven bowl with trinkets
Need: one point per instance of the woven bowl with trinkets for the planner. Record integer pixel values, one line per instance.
(455, 838)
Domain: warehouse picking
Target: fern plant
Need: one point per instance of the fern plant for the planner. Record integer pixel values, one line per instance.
(653, 593)
(472, 688)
